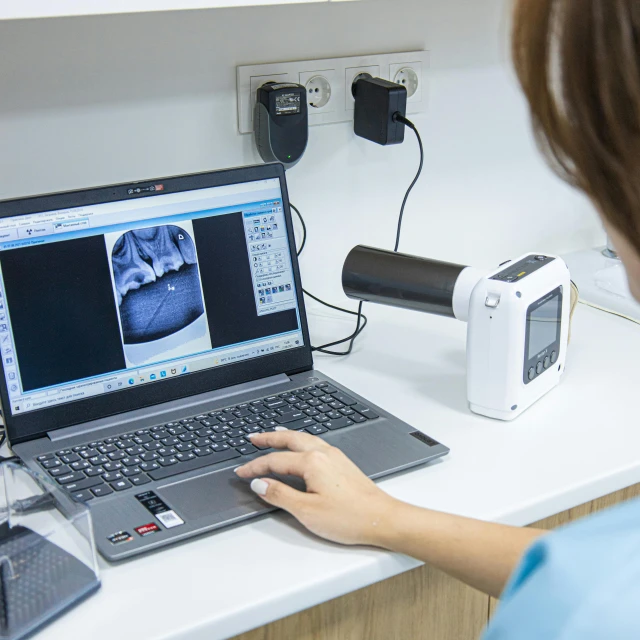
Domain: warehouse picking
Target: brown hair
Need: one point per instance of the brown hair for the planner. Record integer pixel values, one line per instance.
(578, 62)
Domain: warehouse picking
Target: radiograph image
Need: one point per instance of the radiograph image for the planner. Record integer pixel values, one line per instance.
(157, 283)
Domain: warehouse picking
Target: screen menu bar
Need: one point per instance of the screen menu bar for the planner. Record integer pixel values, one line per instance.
(136, 377)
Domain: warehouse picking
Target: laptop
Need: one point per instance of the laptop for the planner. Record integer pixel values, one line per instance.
(146, 330)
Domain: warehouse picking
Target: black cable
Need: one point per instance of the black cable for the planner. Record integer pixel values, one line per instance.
(351, 339)
(304, 230)
(399, 118)
(361, 317)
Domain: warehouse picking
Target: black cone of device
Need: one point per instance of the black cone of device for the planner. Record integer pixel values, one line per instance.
(376, 103)
(400, 280)
(281, 122)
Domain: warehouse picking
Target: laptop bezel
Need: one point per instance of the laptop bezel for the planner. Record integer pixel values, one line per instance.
(36, 424)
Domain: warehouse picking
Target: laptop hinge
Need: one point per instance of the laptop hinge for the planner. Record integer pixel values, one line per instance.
(160, 412)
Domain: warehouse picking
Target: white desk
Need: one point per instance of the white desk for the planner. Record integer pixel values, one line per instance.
(579, 443)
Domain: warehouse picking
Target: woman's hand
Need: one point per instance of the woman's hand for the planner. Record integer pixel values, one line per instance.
(341, 503)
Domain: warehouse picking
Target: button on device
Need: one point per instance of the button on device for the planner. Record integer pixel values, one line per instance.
(247, 449)
(139, 480)
(547, 362)
(492, 301)
(51, 464)
(539, 367)
(82, 496)
(74, 476)
(104, 490)
(554, 357)
(121, 485)
(316, 430)
(532, 373)
(338, 424)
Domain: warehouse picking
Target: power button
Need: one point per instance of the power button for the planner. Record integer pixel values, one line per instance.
(492, 301)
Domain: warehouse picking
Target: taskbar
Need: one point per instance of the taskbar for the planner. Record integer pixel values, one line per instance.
(155, 373)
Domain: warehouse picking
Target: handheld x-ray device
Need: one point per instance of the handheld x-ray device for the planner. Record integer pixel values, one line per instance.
(518, 317)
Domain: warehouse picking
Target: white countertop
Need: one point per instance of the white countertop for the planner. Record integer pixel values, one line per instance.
(580, 442)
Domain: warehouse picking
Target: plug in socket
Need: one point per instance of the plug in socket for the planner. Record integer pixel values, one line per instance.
(377, 102)
(350, 74)
(340, 73)
(258, 81)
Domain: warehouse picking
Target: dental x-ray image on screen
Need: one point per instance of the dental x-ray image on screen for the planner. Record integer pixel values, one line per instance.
(159, 293)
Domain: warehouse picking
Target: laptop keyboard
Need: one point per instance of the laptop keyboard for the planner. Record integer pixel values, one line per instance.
(102, 467)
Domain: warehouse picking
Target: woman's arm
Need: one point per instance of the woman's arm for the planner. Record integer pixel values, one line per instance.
(481, 554)
(343, 505)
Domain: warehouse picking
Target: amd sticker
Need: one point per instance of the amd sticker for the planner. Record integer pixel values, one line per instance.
(120, 537)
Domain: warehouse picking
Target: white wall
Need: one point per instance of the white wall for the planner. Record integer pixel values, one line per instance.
(87, 101)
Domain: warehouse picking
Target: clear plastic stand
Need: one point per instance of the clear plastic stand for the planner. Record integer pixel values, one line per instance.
(48, 560)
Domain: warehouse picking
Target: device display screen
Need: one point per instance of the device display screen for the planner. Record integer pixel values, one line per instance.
(543, 326)
(121, 294)
(287, 104)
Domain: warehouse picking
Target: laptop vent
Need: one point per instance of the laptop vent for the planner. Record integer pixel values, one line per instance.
(418, 435)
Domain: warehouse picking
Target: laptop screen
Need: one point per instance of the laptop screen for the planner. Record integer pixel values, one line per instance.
(122, 294)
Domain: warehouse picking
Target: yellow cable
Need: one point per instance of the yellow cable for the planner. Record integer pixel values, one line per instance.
(614, 313)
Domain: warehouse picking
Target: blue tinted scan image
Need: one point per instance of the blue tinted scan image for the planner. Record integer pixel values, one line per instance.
(157, 283)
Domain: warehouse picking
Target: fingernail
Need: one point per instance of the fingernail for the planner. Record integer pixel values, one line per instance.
(236, 469)
(259, 486)
(282, 429)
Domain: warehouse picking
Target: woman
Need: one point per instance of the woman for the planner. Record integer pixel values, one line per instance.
(578, 62)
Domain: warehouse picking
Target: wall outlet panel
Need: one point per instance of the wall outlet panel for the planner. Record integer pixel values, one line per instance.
(339, 72)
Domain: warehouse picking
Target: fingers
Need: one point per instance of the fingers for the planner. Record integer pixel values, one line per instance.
(284, 463)
(292, 440)
(279, 494)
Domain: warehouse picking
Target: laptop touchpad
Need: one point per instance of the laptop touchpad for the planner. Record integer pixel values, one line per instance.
(210, 494)
(220, 493)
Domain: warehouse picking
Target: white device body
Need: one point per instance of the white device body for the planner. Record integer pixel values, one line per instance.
(508, 332)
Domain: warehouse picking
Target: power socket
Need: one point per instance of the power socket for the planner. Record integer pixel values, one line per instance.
(320, 87)
(409, 75)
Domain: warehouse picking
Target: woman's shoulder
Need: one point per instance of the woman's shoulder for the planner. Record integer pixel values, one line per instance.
(580, 581)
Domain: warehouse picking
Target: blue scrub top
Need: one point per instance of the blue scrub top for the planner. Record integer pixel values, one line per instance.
(581, 582)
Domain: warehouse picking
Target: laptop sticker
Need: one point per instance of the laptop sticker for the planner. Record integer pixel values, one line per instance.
(159, 509)
(170, 519)
(147, 529)
(120, 537)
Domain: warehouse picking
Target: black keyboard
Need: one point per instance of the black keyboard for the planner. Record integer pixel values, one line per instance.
(118, 463)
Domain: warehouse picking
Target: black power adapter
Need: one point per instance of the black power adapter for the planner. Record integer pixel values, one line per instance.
(281, 122)
(378, 106)
(380, 116)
